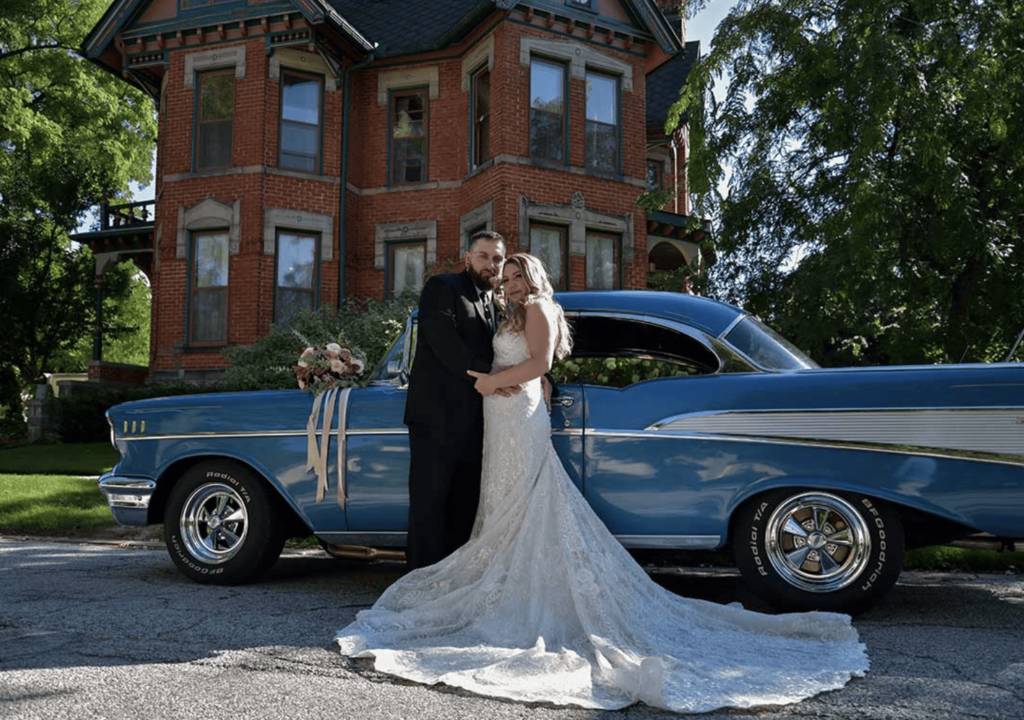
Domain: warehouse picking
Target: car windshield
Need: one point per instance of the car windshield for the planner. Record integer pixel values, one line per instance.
(391, 369)
(766, 347)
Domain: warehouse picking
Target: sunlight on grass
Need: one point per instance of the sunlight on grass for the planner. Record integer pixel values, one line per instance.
(51, 503)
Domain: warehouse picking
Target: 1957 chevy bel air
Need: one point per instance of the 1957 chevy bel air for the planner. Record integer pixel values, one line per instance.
(815, 479)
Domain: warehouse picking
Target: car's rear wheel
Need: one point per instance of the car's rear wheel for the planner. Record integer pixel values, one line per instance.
(222, 525)
(813, 550)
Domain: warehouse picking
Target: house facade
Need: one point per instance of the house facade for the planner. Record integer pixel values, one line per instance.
(316, 150)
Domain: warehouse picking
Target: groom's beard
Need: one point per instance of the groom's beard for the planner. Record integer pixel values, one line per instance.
(481, 281)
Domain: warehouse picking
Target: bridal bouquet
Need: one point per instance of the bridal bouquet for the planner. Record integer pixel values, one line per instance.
(324, 368)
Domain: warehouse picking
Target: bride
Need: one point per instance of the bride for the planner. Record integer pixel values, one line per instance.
(544, 604)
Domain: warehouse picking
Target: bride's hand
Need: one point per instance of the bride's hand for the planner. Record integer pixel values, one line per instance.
(483, 384)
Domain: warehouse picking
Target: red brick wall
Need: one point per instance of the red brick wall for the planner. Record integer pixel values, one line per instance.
(448, 195)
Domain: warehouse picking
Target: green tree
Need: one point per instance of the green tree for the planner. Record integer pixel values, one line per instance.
(873, 158)
(68, 133)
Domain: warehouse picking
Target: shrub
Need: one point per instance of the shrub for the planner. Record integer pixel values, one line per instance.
(369, 326)
(80, 415)
(614, 371)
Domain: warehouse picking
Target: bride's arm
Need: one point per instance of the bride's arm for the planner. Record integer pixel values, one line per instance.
(539, 330)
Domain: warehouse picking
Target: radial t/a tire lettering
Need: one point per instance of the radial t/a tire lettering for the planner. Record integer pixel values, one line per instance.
(222, 524)
(816, 550)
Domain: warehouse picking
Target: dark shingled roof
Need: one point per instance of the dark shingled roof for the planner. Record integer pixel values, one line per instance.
(664, 83)
(402, 27)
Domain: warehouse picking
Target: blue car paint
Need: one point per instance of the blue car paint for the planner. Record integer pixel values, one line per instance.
(640, 478)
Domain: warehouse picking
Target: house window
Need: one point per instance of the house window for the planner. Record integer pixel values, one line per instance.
(547, 110)
(408, 135)
(549, 243)
(407, 264)
(481, 117)
(300, 122)
(209, 301)
(602, 122)
(602, 261)
(654, 171)
(297, 274)
(216, 100)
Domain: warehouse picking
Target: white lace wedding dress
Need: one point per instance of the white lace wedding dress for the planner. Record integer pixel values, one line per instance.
(543, 604)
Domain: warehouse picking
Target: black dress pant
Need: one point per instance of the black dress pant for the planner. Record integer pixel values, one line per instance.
(444, 490)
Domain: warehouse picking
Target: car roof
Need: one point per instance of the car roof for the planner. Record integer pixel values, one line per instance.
(711, 316)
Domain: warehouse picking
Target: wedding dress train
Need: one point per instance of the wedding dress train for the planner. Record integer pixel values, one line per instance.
(543, 604)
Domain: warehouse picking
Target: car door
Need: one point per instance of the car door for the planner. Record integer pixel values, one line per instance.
(651, 490)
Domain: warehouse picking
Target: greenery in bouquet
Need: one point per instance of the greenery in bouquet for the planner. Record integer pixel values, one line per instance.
(323, 368)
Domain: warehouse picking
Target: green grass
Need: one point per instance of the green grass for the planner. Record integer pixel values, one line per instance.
(963, 559)
(51, 504)
(59, 459)
(40, 493)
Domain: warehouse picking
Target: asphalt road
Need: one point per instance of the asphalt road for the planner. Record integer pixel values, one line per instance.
(90, 630)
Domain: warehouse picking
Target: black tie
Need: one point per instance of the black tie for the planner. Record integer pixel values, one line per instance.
(487, 310)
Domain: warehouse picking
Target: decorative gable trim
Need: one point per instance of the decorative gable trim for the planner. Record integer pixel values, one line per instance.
(579, 57)
(390, 232)
(472, 62)
(214, 59)
(483, 215)
(299, 60)
(415, 77)
(578, 220)
(210, 214)
(279, 218)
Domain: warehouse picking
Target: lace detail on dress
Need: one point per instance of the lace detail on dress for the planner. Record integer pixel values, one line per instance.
(544, 604)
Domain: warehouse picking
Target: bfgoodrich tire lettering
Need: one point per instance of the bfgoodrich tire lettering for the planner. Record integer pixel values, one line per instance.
(814, 550)
(222, 525)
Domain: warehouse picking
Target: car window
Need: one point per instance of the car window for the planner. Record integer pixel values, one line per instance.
(620, 351)
(397, 359)
(766, 347)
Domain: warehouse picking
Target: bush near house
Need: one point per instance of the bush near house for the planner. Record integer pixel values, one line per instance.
(268, 364)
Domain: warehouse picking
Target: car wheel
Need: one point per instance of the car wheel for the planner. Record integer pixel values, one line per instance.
(812, 550)
(222, 526)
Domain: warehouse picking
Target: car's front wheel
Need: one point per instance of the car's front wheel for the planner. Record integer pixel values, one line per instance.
(222, 526)
(813, 550)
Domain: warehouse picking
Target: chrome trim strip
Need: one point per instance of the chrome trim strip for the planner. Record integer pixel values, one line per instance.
(270, 433)
(675, 542)
(997, 431)
(1016, 460)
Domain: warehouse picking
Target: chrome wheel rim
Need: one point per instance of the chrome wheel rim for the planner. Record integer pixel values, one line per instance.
(818, 542)
(214, 523)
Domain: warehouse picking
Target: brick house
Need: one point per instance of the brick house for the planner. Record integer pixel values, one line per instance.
(313, 150)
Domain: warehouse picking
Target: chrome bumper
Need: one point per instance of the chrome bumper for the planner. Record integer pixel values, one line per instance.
(128, 498)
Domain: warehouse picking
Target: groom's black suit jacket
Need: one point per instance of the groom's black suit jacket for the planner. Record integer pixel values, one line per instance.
(453, 336)
(444, 413)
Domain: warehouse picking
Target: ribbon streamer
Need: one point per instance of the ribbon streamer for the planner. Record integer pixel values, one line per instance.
(317, 452)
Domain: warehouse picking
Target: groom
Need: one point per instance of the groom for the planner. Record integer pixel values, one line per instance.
(443, 410)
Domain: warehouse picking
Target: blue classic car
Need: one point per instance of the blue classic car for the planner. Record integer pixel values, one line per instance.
(815, 479)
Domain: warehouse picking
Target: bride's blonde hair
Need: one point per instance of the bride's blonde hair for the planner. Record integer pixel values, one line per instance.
(540, 290)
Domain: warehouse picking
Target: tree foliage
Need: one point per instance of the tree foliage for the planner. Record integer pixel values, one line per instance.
(873, 156)
(69, 132)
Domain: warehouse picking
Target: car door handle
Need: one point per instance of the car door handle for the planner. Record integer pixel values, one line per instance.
(564, 401)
